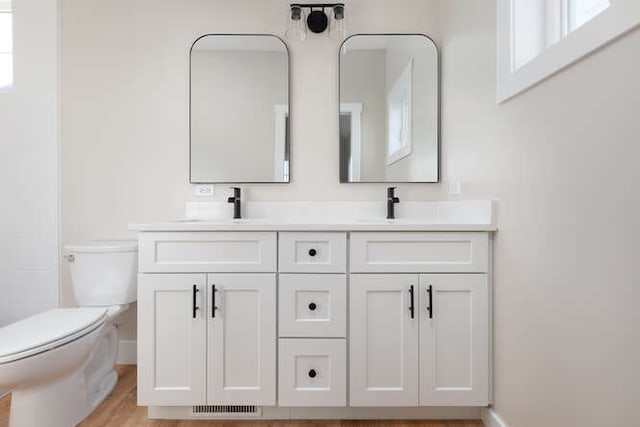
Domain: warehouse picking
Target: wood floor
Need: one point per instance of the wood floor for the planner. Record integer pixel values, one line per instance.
(119, 409)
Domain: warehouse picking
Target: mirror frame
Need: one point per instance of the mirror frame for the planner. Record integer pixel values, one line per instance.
(439, 109)
(288, 128)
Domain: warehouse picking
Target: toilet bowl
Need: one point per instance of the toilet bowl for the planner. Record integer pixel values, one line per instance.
(59, 365)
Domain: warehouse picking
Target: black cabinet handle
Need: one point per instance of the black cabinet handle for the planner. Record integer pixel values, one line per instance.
(312, 373)
(411, 307)
(195, 307)
(313, 252)
(430, 308)
(213, 301)
(312, 306)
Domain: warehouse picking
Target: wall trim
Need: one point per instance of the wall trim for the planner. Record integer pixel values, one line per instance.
(318, 413)
(491, 419)
(127, 353)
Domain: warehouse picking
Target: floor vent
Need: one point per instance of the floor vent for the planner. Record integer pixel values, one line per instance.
(227, 410)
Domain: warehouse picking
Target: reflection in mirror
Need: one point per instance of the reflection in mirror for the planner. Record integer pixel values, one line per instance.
(389, 109)
(239, 112)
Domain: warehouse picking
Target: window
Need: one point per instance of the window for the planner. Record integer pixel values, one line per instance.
(538, 24)
(579, 12)
(536, 38)
(6, 46)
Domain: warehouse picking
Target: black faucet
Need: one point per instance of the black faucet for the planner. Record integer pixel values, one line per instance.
(237, 214)
(391, 200)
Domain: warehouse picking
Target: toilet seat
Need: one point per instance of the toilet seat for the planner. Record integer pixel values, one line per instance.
(48, 330)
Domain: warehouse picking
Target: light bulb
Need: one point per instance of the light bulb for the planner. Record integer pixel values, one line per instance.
(337, 24)
(297, 29)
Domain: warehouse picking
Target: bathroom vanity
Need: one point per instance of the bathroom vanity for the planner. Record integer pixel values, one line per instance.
(256, 317)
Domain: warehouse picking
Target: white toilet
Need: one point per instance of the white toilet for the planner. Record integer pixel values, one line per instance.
(59, 365)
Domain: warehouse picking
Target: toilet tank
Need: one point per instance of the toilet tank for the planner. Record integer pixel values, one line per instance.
(103, 272)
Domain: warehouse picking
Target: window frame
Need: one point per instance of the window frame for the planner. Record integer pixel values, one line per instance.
(6, 8)
(619, 18)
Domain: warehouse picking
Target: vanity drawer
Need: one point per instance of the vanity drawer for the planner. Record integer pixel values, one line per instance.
(213, 252)
(313, 252)
(312, 372)
(419, 252)
(312, 305)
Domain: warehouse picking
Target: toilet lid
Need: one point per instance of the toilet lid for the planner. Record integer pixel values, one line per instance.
(102, 246)
(47, 330)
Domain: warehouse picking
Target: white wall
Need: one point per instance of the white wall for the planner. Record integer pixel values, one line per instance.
(562, 161)
(29, 166)
(124, 118)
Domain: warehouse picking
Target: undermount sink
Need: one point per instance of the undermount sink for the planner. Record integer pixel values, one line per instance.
(216, 221)
(376, 220)
(395, 221)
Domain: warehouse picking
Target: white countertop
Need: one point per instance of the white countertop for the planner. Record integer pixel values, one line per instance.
(258, 225)
(477, 215)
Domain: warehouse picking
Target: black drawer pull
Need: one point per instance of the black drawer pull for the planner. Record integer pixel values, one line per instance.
(313, 252)
(312, 306)
(312, 373)
(213, 301)
(195, 307)
(411, 307)
(430, 308)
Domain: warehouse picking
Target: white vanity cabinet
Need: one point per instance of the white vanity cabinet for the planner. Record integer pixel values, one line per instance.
(285, 319)
(419, 339)
(207, 338)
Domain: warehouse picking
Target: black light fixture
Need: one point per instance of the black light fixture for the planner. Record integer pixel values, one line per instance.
(317, 19)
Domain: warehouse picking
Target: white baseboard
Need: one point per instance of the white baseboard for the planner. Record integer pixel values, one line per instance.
(305, 413)
(127, 353)
(491, 419)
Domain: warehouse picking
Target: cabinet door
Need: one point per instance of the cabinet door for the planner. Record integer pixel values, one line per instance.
(383, 340)
(454, 339)
(242, 339)
(171, 339)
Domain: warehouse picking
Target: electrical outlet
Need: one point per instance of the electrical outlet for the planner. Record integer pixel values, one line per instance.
(204, 190)
(455, 187)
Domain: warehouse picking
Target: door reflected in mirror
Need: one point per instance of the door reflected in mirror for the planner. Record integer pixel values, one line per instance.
(239, 109)
(389, 109)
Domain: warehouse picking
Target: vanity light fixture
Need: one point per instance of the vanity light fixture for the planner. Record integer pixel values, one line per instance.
(317, 20)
